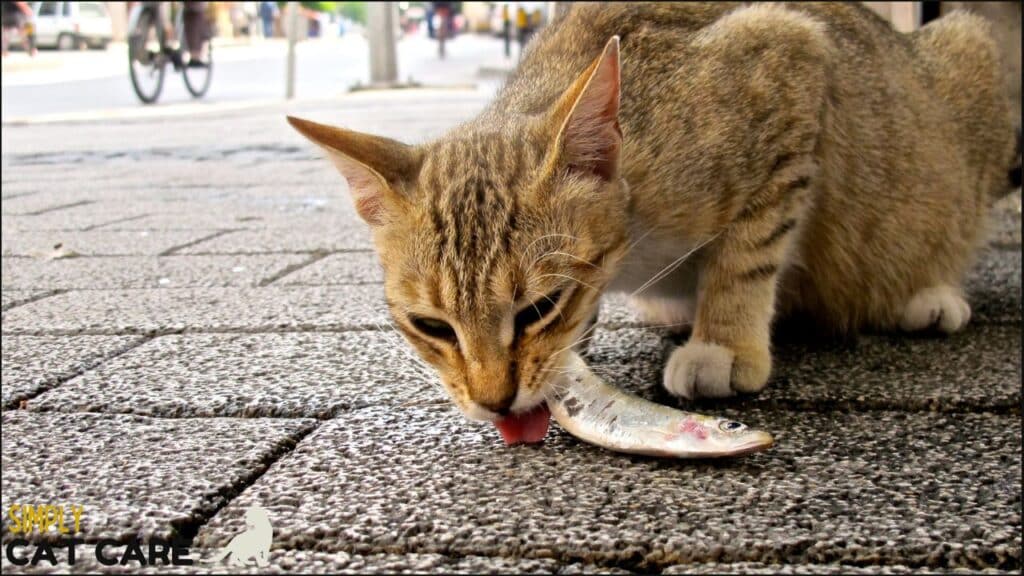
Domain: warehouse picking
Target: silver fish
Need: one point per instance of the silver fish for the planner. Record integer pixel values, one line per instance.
(598, 413)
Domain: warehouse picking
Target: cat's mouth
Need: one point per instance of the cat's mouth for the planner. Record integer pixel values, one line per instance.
(528, 427)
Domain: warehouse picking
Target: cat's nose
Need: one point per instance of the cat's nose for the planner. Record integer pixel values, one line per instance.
(501, 405)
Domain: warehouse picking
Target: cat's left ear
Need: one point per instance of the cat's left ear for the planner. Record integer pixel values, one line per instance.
(589, 137)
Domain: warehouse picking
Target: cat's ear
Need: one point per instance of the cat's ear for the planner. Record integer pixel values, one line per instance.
(589, 137)
(374, 166)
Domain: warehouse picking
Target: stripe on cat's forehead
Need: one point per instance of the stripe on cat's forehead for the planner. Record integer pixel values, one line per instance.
(504, 159)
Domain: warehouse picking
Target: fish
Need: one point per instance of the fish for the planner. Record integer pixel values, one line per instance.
(597, 412)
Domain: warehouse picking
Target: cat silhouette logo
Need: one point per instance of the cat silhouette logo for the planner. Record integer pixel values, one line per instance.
(253, 544)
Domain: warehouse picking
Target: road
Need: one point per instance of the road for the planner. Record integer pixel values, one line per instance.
(60, 83)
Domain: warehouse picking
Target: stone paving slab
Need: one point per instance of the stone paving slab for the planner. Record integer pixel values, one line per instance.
(867, 568)
(79, 217)
(1005, 225)
(296, 238)
(346, 268)
(12, 298)
(889, 487)
(202, 309)
(396, 114)
(156, 215)
(250, 375)
(994, 288)
(309, 562)
(32, 364)
(100, 242)
(99, 273)
(134, 475)
(975, 370)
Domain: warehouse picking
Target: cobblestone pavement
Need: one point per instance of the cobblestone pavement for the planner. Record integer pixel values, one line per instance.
(221, 341)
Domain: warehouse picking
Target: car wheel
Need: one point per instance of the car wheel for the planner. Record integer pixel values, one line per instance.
(65, 42)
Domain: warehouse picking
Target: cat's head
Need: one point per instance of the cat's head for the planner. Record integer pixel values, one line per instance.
(497, 239)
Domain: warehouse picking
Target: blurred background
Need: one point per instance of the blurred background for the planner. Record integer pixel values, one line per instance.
(70, 59)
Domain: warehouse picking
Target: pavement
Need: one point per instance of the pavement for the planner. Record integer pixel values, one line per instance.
(220, 341)
(67, 86)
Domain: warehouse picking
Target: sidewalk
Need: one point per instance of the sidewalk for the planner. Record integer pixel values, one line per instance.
(222, 341)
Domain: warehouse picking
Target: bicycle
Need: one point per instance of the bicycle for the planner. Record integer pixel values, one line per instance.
(149, 52)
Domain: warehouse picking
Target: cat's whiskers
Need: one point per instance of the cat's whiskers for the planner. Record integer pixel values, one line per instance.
(418, 364)
(566, 276)
(526, 251)
(546, 297)
(672, 266)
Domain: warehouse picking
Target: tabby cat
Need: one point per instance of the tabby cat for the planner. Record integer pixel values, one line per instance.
(722, 163)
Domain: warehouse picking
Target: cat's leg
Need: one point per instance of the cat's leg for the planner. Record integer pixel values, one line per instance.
(673, 313)
(729, 349)
(939, 307)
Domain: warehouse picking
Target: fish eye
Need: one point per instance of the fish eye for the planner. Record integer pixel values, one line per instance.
(536, 311)
(434, 328)
(731, 426)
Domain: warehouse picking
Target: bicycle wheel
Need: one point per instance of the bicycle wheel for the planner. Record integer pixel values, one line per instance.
(198, 72)
(146, 61)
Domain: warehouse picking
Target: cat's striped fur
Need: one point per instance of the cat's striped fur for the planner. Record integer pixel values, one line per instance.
(811, 158)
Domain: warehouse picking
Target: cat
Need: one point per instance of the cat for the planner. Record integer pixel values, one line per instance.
(724, 163)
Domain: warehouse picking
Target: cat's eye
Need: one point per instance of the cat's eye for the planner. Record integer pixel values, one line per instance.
(536, 311)
(435, 328)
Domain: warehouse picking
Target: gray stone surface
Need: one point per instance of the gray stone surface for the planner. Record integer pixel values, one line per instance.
(886, 487)
(345, 268)
(203, 309)
(12, 298)
(91, 273)
(867, 568)
(310, 562)
(100, 242)
(135, 475)
(295, 238)
(994, 289)
(1006, 218)
(975, 370)
(282, 375)
(32, 364)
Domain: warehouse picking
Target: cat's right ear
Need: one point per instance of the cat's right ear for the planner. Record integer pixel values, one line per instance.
(374, 167)
(587, 115)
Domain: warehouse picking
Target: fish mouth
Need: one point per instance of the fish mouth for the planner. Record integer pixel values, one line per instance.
(756, 442)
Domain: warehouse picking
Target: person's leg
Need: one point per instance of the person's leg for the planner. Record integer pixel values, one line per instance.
(196, 32)
(30, 38)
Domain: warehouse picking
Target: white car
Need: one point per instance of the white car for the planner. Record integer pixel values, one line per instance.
(69, 25)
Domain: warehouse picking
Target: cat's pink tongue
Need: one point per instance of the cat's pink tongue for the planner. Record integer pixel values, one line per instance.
(529, 427)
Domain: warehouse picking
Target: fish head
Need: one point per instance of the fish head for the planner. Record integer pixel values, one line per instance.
(714, 437)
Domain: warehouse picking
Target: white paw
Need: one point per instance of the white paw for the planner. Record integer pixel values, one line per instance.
(666, 312)
(940, 307)
(699, 369)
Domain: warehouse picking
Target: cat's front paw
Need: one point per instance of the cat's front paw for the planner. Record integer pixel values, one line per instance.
(705, 370)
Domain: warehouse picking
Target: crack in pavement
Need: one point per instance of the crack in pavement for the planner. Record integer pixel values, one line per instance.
(90, 364)
(55, 208)
(174, 249)
(253, 152)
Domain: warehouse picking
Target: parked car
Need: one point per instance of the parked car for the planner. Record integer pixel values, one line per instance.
(69, 25)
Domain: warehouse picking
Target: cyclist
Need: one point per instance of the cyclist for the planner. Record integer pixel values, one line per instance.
(197, 31)
(18, 16)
